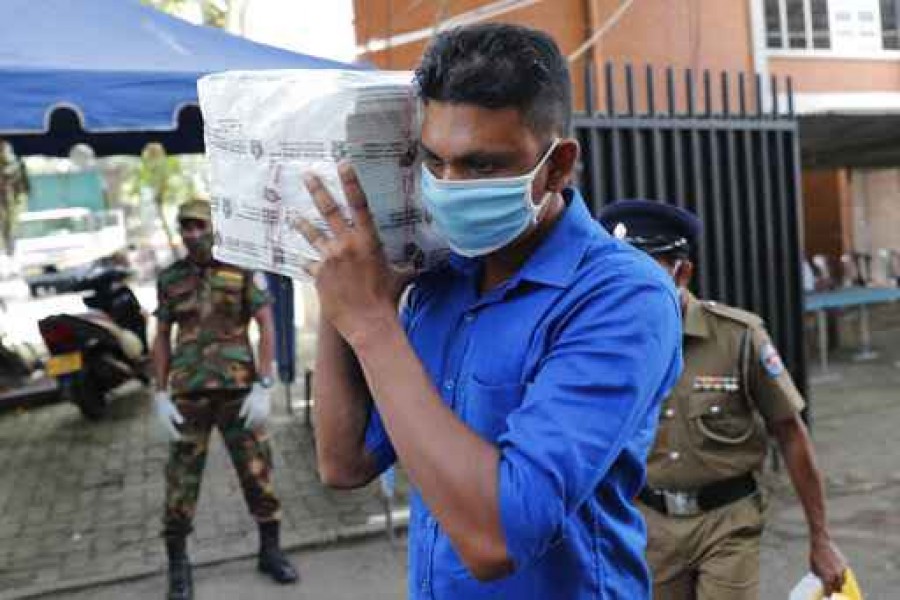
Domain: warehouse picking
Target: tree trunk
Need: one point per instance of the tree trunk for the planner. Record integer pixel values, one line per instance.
(170, 238)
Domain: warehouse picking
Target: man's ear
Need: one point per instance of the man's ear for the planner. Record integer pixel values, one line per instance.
(562, 164)
(684, 274)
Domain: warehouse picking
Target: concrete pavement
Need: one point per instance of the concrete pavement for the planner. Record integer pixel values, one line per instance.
(80, 502)
(369, 569)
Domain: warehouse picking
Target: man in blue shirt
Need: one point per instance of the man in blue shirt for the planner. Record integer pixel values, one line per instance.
(520, 386)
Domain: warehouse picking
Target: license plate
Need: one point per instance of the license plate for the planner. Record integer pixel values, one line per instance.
(64, 364)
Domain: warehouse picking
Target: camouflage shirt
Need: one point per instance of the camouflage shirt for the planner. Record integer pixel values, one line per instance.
(212, 307)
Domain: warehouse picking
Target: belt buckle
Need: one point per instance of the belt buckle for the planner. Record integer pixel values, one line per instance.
(681, 504)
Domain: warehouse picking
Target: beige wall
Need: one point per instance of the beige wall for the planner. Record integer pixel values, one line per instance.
(876, 209)
(812, 75)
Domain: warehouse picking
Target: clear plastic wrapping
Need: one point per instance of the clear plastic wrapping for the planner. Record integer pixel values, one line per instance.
(265, 129)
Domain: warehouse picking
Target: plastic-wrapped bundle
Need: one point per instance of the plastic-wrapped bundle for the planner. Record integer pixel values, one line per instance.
(265, 129)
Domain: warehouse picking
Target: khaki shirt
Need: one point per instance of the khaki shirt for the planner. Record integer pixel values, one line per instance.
(212, 307)
(713, 424)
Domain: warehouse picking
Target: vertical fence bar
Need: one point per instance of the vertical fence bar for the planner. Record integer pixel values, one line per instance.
(677, 147)
(617, 174)
(766, 224)
(698, 197)
(738, 260)
(639, 185)
(659, 167)
(749, 224)
(589, 83)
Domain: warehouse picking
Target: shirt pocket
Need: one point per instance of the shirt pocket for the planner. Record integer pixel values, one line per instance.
(227, 299)
(487, 406)
(716, 418)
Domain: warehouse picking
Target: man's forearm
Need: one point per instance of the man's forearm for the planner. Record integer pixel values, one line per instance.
(341, 409)
(266, 350)
(455, 470)
(799, 457)
(162, 351)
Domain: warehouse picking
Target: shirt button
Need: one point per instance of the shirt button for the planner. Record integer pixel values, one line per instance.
(449, 385)
(670, 412)
(674, 455)
(715, 409)
(469, 317)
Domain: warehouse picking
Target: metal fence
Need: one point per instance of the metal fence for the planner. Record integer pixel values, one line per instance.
(730, 158)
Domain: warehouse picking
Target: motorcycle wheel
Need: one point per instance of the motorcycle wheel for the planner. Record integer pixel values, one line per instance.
(85, 393)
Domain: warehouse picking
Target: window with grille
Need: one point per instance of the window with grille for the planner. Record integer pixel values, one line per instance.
(842, 26)
(890, 29)
(797, 24)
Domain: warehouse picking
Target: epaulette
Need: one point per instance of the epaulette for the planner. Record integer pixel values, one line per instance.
(734, 314)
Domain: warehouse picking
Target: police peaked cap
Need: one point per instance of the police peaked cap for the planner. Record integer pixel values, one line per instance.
(196, 208)
(654, 227)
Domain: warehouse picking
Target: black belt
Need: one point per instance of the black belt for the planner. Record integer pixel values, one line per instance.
(709, 497)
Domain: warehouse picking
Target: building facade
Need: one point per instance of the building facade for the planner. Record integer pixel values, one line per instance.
(843, 57)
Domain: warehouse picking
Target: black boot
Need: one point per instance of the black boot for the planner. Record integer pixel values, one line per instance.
(181, 585)
(271, 559)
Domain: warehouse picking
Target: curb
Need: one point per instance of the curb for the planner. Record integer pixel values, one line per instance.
(346, 534)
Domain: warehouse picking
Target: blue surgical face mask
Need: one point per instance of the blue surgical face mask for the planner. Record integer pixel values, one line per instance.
(479, 216)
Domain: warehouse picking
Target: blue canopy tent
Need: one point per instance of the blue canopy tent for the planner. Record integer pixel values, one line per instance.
(113, 74)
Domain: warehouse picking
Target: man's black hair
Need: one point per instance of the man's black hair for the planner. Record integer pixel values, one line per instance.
(496, 66)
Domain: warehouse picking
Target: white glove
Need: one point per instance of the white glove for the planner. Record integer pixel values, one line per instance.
(256, 407)
(167, 415)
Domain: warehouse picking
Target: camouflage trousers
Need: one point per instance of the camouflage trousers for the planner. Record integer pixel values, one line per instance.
(250, 451)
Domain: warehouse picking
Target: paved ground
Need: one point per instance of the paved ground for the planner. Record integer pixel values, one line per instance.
(856, 419)
(80, 502)
(368, 569)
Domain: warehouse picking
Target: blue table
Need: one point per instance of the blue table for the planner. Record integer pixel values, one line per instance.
(861, 297)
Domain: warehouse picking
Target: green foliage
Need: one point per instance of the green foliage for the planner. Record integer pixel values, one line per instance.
(166, 179)
(215, 12)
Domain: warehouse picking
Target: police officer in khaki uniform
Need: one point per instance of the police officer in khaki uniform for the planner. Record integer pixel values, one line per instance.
(211, 380)
(701, 503)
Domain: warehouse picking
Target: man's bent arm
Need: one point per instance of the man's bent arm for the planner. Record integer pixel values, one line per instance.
(455, 470)
(162, 353)
(341, 412)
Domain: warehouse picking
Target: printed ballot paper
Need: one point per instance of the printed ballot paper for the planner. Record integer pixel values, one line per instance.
(265, 129)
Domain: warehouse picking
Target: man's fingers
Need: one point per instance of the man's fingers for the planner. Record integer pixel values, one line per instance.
(311, 268)
(325, 203)
(316, 238)
(356, 198)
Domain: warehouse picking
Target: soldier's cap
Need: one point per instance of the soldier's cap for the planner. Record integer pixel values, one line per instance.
(654, 227)
(196, 208)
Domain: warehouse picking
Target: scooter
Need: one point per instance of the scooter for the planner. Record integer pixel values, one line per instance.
(97, 351)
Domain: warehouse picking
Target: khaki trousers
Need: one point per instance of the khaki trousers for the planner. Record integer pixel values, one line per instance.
(711, 556)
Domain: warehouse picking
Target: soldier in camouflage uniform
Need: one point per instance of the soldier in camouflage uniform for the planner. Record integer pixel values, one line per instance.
(701, 503)
(210, 380)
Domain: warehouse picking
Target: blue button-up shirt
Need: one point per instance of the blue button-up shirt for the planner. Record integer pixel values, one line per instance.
(563, 367)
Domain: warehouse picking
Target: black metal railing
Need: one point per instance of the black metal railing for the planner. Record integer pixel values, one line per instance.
(733, 160)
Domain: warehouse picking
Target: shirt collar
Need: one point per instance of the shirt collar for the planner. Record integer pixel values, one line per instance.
(695, 323)
(558, 255)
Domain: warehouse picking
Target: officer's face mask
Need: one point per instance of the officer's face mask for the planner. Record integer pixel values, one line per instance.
(479, 216)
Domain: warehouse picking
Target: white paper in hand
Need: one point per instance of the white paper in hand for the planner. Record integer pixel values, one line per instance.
(265, 129)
